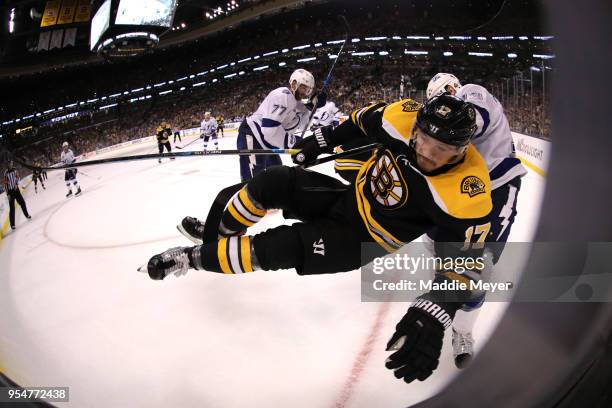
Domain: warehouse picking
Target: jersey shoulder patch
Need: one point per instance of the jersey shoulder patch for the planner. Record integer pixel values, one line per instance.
(464, 191)
(473, 93)
(399, 117)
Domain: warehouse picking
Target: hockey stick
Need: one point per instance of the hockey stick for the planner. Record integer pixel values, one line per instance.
(347, 153)
(327, 80)
(88, 175)
(190, 143)
(239, 152)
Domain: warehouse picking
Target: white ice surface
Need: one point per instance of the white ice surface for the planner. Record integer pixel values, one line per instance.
(74, 311)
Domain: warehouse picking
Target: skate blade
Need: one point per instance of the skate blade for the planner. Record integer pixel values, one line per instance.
(189, 237)
(143, 269)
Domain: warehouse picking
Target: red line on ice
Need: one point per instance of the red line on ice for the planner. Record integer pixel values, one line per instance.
(362, 358)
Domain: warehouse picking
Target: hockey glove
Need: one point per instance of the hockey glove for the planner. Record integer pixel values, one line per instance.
(317, 101)
(418, 340)
(320, 100)
(312, 146)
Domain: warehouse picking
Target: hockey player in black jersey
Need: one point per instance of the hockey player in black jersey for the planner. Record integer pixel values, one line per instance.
(36, 177)
(425, 175)
(220, 125)
(164, 131)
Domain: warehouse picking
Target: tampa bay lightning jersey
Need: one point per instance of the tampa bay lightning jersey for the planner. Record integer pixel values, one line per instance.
(326, 115)
(277, 119)
(209, 127)
(493, 138)
(67, 157)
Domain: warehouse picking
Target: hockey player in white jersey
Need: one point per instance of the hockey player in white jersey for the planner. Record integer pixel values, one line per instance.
(325, 116)
(494, 142)
(67, 158)
(281, 114)
(208, 127)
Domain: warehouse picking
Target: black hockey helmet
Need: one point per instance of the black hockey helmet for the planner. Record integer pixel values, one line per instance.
(448, 119)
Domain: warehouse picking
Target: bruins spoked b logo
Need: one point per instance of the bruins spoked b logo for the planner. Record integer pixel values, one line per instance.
(387, 183)
(472, 186)
(410, 106)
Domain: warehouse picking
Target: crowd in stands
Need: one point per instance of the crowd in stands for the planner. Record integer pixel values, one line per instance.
(355, 82)
(234, 99)
(316, 22)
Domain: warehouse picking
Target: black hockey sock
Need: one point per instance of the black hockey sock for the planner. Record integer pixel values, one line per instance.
(231, 255)
(242, 212)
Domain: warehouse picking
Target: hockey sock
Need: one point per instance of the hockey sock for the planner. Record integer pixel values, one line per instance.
(231, 255)
(242, 212)
(76, 184)
(465, 320)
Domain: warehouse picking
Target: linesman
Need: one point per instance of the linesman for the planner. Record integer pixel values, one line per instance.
(11, 185)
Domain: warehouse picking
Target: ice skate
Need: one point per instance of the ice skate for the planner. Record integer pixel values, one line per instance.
(173, 261)
(192, 228)
(463, 348)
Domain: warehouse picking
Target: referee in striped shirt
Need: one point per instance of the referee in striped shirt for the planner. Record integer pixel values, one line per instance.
(11, 185)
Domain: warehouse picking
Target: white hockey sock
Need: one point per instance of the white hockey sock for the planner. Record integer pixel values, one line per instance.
(464, 321)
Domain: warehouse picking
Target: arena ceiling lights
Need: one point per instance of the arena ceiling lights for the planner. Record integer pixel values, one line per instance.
(132, 35)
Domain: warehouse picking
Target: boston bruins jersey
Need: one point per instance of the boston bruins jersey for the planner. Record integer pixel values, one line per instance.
(396, 202)
(163, 133)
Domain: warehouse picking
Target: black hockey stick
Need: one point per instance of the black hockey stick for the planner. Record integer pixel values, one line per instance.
(189, 144)
(347, 153)
(88, 175)
(240, 152)
(327, 80)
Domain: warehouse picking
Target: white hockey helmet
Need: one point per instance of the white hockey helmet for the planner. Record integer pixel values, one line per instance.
(303, 77)
(65, 144)
(437, 85)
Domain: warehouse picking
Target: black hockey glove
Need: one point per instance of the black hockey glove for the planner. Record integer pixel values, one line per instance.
(312, 146)
(418, 340)
(317, 101)
(320, 100)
